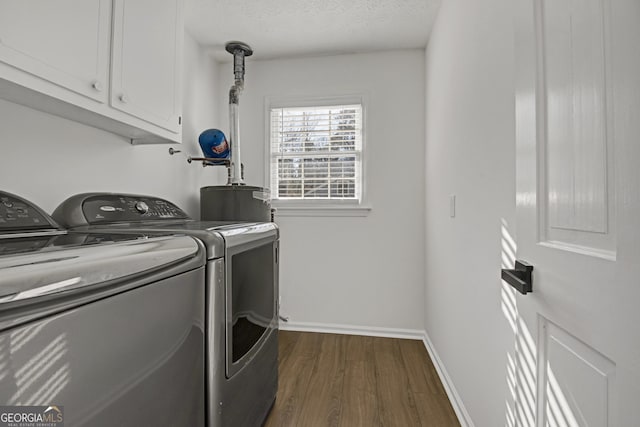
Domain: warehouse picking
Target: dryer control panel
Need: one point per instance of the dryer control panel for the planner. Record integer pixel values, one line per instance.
(103, 208)
(17, 213)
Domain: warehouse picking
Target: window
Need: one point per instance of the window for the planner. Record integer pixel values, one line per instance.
(316, 154)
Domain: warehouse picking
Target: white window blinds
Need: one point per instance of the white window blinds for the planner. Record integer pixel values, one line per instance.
(316, 152)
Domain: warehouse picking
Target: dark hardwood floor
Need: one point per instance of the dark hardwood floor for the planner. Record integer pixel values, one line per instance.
(348, 380)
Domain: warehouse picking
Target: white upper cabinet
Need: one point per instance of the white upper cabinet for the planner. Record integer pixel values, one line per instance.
(112, 64)
(65, 42)
(147, 51)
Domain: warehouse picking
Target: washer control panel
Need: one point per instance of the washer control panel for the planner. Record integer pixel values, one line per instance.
(17, 213)
(110, 208)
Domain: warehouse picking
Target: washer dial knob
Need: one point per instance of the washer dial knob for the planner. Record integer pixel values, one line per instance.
(142, 207)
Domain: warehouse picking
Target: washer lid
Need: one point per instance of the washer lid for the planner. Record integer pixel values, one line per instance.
(216, 236)
(58, 271)
(14, 244)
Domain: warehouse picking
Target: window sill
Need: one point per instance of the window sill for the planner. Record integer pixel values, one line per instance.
(322, 211)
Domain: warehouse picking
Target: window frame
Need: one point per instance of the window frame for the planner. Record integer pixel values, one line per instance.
(318, 207)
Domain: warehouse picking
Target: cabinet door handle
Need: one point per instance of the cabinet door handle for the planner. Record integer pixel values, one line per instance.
(123, 98)
(520, 277)
(97, 86)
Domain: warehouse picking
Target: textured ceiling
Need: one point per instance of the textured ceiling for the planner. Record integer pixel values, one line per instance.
(288, 28)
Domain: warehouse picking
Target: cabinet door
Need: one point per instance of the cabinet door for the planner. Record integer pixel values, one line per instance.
(147, 60)
(65, 42)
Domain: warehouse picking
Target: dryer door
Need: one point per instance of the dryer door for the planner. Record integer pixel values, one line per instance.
(251, 296)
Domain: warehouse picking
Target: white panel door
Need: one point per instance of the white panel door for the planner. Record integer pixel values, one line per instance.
(65, 42)
(147, 60)
(578, 213)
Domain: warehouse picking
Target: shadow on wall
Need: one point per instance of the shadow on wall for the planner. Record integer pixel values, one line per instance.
(522, 367)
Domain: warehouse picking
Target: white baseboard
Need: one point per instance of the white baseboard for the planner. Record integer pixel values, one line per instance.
(370, 331)
(452, 393)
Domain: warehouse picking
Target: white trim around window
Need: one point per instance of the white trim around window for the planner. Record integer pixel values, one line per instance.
(354, 204)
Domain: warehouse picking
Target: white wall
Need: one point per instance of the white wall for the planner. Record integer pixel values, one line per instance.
(362, 272)
(46, 158)
(470, 153)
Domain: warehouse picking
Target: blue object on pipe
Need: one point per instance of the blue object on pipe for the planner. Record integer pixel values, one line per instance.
(214, 144)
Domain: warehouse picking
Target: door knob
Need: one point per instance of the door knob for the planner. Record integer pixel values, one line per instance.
(520, 277)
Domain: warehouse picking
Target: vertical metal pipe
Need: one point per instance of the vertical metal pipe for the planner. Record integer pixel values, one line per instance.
(234, 131)
(240, 51)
